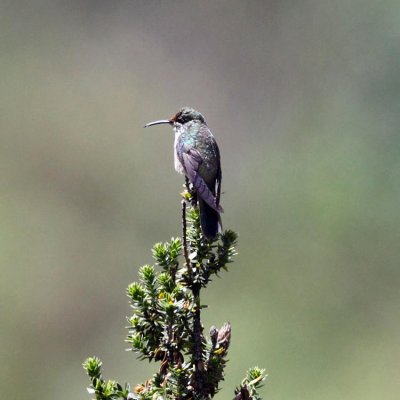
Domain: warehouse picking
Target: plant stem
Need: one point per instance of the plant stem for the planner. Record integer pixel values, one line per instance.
(198, 344)
(185, 251)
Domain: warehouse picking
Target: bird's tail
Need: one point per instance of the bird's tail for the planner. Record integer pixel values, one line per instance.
(210, 220)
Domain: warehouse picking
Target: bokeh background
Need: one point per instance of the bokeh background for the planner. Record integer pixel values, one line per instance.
(303, 98)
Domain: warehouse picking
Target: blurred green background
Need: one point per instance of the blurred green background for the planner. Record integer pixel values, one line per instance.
(303, 98)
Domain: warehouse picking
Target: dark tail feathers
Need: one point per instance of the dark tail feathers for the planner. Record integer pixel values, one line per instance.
(210, 220)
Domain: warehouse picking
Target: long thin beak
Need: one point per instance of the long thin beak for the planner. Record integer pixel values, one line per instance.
(161, 121)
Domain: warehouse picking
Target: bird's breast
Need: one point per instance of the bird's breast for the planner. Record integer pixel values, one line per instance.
(177, 164)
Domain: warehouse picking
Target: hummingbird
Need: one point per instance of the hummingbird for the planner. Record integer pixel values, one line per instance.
(196, 155)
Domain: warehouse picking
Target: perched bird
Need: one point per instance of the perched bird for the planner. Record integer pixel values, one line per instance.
(197, 156)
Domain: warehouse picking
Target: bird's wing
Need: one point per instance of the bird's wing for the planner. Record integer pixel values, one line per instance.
(219, 175)
(205, 132)
(191, 160)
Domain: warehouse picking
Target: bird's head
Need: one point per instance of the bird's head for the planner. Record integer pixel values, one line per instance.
(183, 116)
(187, 114)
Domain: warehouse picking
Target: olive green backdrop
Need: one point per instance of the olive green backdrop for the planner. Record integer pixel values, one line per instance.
(303, 98)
